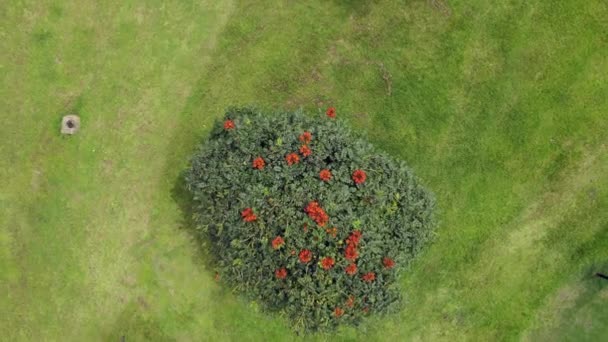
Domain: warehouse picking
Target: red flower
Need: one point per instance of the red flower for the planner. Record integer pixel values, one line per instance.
(305, 150)
(331, 112)
(305, 256)
(306, 137)
(351, 269)
(325, 175)
(327, 263)
(350, 253)
(350, 302)
(277, 242)
(354, 238)
(338, 312)
(388, 262)
(258, 163)
(228, 125)
(280, 273)
(359, 176)
(246, 212)
(248, 215)
(369, 277)
(292, 158)
(316, 213)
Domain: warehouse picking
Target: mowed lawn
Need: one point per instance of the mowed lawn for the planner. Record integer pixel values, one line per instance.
(501, 108)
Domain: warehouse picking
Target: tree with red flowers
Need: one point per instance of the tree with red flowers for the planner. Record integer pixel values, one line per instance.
(305, 216)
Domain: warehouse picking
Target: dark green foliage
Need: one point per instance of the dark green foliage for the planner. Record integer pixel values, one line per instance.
(390, 209)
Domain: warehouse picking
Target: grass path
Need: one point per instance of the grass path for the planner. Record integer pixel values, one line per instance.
(79, 211)
(501, 109)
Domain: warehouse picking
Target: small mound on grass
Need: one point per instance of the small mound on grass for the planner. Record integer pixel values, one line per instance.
(306, 216)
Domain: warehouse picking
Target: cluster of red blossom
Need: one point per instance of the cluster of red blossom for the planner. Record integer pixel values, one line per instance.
(327, 263)
(258, 163)
(359, 176)
(305, 256)
(229, 124)
(325, 175)
(350, 252)
(331, 112)
(292, 158)
(317, 214)
(248, 215)
(278, 242)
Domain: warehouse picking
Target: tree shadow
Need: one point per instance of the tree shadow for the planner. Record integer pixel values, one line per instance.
(597, 274)
(135, 324)
(198, 238)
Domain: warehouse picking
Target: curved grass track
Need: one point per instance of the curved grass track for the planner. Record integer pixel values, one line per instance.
(500, 108)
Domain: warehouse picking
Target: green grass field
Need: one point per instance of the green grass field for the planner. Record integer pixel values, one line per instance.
(500, 107)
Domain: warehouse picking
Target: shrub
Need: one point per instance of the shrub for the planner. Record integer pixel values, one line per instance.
(307, 217)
